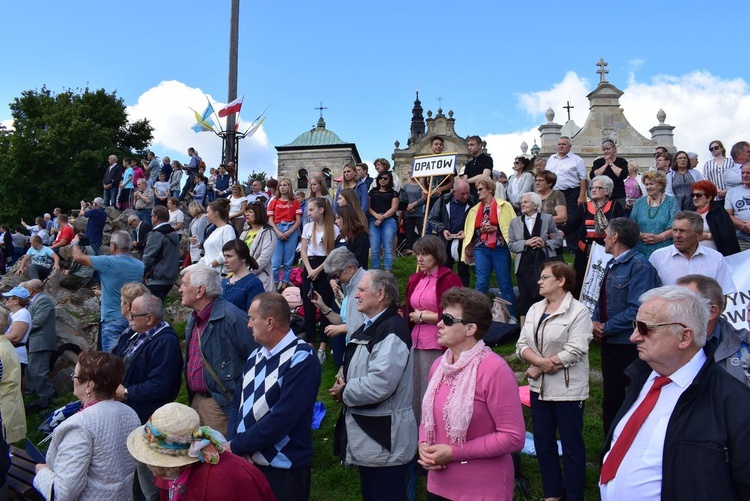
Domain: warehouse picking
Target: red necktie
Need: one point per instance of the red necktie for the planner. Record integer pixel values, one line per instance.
(612, 463)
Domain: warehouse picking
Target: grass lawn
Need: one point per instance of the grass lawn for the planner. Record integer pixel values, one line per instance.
(331, 481)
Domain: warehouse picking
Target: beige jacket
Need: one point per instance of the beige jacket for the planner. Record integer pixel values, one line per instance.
(567, 334)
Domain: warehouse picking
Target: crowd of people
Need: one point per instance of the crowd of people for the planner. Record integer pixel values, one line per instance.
(419, 389)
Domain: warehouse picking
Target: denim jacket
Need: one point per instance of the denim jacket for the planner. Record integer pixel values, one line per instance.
(625, 282)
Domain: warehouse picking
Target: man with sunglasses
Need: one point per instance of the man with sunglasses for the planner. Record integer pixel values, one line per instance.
(682, 432)
(627, 275)
(686, 255)
(377, 430)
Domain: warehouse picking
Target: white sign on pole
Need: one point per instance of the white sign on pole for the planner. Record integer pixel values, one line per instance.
(434, 165)
(592, 282)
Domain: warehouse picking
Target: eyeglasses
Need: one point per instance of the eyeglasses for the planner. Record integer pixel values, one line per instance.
(643, 328)
(698, 195)
(449, 319)
(135, 315)
(545, 277)
(597, 188)
(715, 148)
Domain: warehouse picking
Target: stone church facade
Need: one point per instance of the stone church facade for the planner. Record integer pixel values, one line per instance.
(316, 150)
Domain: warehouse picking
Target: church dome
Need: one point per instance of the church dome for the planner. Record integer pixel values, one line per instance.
(318, 136)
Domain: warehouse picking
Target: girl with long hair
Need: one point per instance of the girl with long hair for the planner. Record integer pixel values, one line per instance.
(284, 216)
(318, 240)
(353, 232)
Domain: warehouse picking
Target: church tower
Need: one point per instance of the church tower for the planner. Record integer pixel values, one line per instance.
(417, 122)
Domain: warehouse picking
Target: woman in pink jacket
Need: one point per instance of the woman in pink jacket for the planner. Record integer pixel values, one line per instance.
(471, 413)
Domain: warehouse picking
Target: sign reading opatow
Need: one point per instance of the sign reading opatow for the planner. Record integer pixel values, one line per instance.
(434, 165)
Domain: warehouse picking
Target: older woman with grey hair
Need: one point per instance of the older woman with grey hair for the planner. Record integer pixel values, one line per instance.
(593, 217)
(614, 167)
(342, 267)
(533, 238)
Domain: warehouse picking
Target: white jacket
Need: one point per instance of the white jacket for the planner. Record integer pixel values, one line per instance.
(567, 334)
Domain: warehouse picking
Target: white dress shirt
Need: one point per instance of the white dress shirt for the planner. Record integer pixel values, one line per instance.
(640, 473)
(671, 264)
(570, 170)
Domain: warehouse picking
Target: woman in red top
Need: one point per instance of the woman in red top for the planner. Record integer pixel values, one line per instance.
(284, 216)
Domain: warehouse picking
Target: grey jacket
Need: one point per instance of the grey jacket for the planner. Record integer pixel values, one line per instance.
(42, 336)
(161, 257)
(380, 425)
(726, 355)
(226, 344)
(262, 251)
(517, 244)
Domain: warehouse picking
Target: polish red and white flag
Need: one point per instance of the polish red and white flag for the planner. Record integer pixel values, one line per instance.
(233, 107)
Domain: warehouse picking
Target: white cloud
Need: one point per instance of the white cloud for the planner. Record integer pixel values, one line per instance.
(166, 106)
(701, 106)
(8, 124)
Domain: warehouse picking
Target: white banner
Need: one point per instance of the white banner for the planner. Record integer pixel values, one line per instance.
(592, 282)
(736, 310)
(434, 165)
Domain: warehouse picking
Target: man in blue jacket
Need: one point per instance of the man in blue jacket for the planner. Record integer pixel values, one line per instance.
(153, 368)
(627, 276)
(218, 343)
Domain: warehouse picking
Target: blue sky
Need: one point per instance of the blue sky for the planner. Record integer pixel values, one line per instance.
(497, 65)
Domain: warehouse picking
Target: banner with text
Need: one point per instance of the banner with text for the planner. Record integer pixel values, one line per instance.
(434, 165)
(592, 282)
(737, 302)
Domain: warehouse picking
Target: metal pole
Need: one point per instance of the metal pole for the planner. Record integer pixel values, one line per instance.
(230, 153)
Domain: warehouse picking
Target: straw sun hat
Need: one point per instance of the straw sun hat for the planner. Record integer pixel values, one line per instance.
(166, 438)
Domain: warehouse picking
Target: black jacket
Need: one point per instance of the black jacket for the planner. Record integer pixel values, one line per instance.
(707, 444)
(113, 176)
(153, 373)
(439, 216)
(140, 234)
(722, 230)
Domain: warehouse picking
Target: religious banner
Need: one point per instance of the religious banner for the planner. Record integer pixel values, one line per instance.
(736, 310)
(592, 282)
(434, 165)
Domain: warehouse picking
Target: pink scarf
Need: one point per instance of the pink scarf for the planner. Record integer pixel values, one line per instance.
(461, 375)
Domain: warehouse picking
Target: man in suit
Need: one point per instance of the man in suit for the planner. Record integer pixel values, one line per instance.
(140, 232)
(682, 432)
(42, 343)
(111, 182)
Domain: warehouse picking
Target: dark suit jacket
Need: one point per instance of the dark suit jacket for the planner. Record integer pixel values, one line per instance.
(113, 175)
(140, 234)
(42, 336)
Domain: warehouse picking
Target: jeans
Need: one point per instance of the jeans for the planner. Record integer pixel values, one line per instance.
(111, 331)
(566, 417)
(110, 195)
(144, 215)
(283, 254)
(386, 483)
(486, 260)
(384, 236)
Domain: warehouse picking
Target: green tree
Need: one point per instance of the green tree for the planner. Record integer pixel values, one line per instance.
(56, 153)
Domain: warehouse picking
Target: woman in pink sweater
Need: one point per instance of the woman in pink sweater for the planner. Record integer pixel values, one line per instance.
(471, 413)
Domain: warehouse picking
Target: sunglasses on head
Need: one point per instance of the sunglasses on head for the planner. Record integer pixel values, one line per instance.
(643, 328)
(449, 319)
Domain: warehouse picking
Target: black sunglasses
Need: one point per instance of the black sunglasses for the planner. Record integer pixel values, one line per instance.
(643, 328)
(715, 148)
(697, 195)
(384, 178)
(449, 319)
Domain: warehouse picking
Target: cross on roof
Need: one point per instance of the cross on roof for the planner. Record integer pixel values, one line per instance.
(440, 102)
(568, 107)
(321, 108)
(602, 71)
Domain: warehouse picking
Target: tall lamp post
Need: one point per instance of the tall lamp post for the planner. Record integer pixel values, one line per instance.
(230, 137)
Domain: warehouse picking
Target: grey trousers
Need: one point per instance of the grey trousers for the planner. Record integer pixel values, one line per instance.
(37, 372)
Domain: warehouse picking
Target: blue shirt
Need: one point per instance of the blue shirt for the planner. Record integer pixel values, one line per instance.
(114, 272)
(95, 225)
